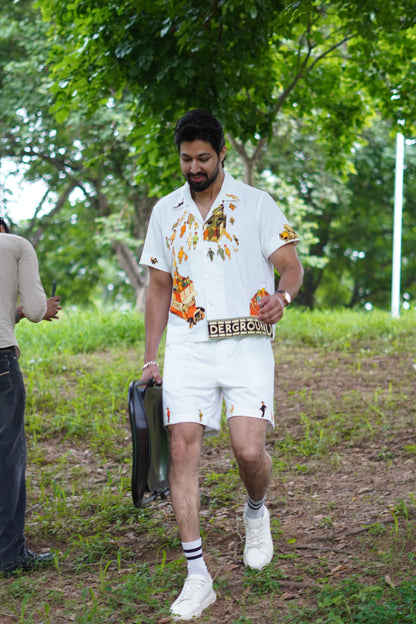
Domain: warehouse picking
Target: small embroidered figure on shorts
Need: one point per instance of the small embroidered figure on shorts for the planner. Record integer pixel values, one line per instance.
(262, 409)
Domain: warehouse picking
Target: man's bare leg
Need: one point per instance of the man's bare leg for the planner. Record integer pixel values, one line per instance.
(248, 440)
(185, 446)
(185, 452)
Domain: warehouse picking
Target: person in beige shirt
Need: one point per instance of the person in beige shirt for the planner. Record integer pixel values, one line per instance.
(19, 283)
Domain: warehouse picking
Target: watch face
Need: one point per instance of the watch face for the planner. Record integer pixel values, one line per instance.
(286, 296)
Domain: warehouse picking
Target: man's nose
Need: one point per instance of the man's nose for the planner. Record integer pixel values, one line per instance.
(194, 166)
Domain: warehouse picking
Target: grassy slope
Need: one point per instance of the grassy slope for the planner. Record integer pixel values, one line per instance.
(119, 564)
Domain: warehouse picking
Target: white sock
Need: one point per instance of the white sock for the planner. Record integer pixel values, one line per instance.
(254, 509)
(195, 558)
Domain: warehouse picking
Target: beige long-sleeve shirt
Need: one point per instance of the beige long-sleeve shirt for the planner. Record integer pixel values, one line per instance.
(19, 282)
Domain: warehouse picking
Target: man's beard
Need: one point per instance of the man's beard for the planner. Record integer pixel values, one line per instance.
(205, 182)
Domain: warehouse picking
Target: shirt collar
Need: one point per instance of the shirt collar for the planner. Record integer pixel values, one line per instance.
(184, 199)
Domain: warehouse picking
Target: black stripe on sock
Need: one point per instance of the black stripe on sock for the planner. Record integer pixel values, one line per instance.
(255, 505)
(195, 557)
(191, 550)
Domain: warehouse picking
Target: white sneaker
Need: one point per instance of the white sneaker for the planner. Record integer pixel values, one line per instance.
(258, 550)
(197, 594)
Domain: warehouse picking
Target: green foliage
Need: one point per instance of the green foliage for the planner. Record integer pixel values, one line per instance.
(354, 602)
(80, 331)
(346, 330)
(90, 95)
(161, 50)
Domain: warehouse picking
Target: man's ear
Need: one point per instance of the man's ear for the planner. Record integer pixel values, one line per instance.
(223, 153)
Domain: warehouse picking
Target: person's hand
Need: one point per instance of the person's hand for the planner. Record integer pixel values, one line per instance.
(152, 371)
(271, 308)
(52, 308)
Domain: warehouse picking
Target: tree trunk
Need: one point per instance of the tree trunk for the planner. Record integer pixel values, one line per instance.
(138, 277)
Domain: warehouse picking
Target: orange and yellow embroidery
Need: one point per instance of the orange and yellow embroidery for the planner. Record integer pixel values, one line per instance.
(288, 233)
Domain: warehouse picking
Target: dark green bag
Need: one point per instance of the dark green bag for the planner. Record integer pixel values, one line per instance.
(150, 443)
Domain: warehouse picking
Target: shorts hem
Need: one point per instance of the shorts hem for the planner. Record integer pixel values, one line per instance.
(269, 420)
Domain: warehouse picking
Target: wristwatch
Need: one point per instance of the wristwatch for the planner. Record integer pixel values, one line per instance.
(286, 296)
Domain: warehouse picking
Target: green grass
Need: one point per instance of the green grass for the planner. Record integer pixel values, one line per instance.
(347, 330)
(119, 564)
(80, 331)
(353, 602)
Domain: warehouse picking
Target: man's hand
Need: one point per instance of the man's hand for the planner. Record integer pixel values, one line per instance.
(52, 308)
(152, 371)
(271, 308)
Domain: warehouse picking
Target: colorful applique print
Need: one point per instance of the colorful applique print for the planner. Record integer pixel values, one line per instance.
(262, 409)
(255, 301)
(215, 227)
(154, 260)
(288, 233)
(183, 302)
(181, 227)
(200, 416)
(168, 414)
(182, 255)
(210, 254)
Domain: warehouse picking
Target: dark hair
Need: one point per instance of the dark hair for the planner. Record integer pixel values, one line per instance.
(199, 124)
(4, 224)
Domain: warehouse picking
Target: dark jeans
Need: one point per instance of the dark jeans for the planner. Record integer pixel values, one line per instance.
(12, 461)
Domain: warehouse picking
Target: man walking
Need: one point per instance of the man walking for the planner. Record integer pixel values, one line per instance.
(218, 300)
(19, 278)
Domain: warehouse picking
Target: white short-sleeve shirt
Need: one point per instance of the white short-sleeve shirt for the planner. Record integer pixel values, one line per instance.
(219, 266)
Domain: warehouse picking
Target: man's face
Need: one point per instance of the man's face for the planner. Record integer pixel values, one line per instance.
(200, 163)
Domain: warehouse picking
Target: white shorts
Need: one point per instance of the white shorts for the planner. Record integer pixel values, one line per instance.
(197, 377)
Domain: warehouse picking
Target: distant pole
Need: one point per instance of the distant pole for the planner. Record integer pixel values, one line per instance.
(397, 227)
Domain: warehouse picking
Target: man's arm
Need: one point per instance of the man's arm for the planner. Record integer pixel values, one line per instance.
(158, 300)
(286, 262)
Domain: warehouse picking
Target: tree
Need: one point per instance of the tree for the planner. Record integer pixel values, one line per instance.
(116, 75)
(247, 62)
(361, 247)
(90, 154)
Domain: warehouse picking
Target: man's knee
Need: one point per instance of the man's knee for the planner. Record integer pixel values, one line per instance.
(250, 457)
(185, 443)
